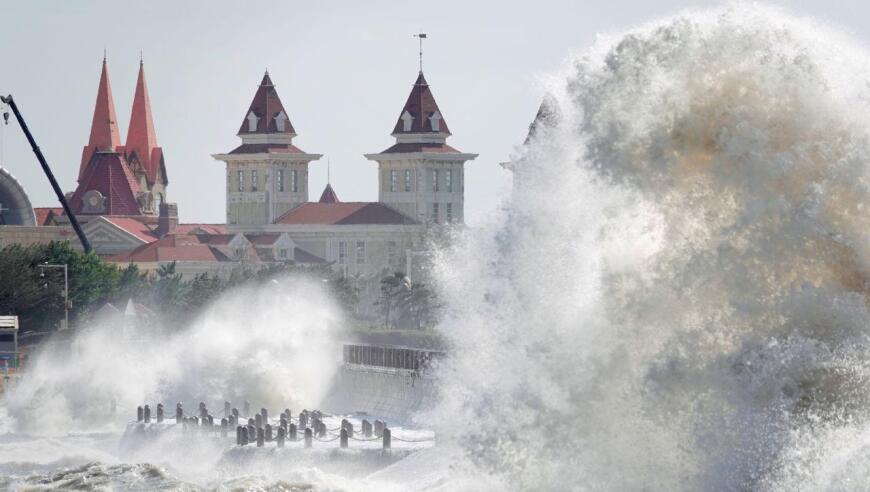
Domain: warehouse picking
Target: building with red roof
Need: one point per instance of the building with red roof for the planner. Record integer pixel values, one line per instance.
(120, 197)
(217, 254)
(121, 194)
(420, 185)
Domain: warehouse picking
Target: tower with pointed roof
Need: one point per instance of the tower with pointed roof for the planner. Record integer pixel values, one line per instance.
(266, 175)
(420, 175)
(104, 136)
(143, 154)
(106, 184)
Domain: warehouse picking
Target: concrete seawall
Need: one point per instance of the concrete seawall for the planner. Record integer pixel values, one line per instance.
(387, 382)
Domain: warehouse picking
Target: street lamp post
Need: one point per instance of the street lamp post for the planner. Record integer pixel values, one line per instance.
(65, 289)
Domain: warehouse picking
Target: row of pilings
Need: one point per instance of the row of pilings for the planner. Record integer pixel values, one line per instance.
(259, 430)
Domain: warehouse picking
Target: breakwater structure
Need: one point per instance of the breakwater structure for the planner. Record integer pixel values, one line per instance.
(242, 436)
(389, 381)
(370, 408)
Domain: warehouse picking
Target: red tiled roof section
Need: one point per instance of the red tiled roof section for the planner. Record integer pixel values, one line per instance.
(200, 229)
(173, 247)
(267, 149)
(109, 174)
(350, 213)
(266, 105)
(141, 136)
(45, 215)
(135, 227)
(421, 105)
(328, 195)
(207, 248)
(402, 148)
(105, 136)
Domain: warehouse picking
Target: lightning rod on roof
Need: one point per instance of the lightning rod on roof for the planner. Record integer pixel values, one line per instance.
(421, 36)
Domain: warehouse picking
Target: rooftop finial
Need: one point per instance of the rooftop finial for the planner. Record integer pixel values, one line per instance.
(141, 58)
(421, 36)
(104, 54)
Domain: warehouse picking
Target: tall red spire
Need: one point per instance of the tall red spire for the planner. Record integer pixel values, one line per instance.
(420, 113)
(141, 137)
(105, 136)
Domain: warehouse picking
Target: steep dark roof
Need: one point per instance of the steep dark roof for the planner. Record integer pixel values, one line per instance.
(421, 105)
(328, 195)
(266, 105)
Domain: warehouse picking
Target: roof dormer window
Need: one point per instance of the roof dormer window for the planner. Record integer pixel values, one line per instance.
(435, 121)
(280, 121)
(407, 120)
(252, 122)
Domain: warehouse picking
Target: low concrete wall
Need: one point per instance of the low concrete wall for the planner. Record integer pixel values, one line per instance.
(396, 395)
(27, 235)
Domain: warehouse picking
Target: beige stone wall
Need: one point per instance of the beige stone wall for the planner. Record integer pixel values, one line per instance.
(259, 202)
(27, 235)
(419, 202)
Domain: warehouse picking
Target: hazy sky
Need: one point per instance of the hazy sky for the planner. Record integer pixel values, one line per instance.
(343, 71)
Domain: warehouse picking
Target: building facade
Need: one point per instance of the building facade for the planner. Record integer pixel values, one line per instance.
(420, 185)
(121, 197)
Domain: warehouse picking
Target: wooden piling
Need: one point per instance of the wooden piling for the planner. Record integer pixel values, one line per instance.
(269, 432)
(379, 428)
(179, 413)
(224, 424)
(308, 437)
(280, 439)
(140, 414)
(258, 421)
(159, 412)
(292, 432)
(247, 409)
(343, 439)
(366, 428)
(147, 414)
(388, 438)
(261, 438)
(227, 409)
(244, 436)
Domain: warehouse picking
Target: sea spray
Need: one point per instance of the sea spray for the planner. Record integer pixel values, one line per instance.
(273, 344)
(675, 297)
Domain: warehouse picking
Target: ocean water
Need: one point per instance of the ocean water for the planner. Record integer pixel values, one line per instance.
(673, 298)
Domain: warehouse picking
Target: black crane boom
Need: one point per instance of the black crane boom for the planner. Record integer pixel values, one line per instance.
(72, 218)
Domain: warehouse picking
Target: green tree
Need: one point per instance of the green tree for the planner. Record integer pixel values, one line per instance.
(422, 306)
(393, 288)
(169, 293)
(202, 290)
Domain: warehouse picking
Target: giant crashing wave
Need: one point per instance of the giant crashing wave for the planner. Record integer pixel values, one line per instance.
(676, 295)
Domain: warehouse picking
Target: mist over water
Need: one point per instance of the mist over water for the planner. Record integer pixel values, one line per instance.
(675, 296)
(275, 345)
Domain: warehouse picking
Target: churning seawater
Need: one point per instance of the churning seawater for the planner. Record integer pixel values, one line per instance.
(675, 296)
